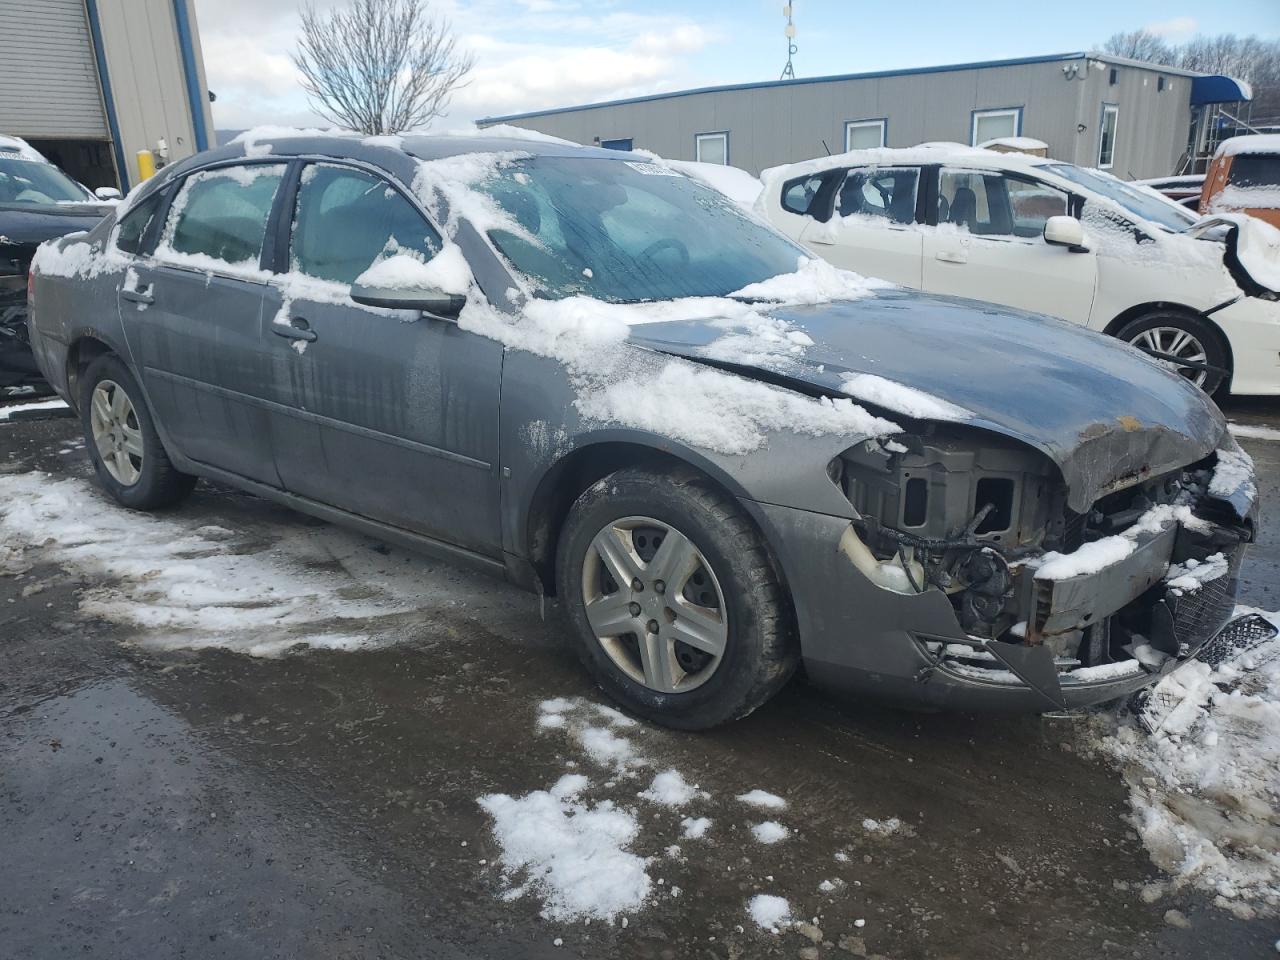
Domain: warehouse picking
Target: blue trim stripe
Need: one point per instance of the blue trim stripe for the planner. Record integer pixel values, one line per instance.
(187, 45)
(113, 124)
(879, 74)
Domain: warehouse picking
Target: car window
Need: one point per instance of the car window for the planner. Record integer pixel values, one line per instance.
(1148, 206)
(34, 182)
(627, 231)
(993, 204)
(1254, 170)
(888, 193)
(798, 195)
(223, 213)
(346, 220)
(1032, 203)
(133, 227)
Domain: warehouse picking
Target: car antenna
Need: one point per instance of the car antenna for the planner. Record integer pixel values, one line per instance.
(826, 148)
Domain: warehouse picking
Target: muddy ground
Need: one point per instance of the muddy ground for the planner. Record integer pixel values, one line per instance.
(203, 804)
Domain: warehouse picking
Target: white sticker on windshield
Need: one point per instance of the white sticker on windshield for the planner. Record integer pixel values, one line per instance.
(651, 169)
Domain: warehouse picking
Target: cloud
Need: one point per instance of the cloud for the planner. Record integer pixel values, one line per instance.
(1176, 27)
(529, 55)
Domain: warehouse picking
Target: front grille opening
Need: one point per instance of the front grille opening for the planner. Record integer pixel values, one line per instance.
(997, 491)
(915, 503)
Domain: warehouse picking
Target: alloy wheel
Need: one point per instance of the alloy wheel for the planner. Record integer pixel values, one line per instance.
(655, 604)
(1175, 342)
(116, 432)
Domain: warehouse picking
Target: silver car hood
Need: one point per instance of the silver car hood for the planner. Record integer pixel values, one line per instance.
(1104, 412)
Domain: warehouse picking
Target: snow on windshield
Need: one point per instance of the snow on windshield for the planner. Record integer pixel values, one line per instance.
(701, 406)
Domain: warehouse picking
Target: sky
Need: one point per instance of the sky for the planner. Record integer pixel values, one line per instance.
(533, 54)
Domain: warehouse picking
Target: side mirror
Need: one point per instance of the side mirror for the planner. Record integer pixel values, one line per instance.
(446, 305)
(107, 193)
(1065, 232)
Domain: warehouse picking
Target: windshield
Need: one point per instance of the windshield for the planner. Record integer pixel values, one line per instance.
(628, 231)
(29, 181)
(1156, 209)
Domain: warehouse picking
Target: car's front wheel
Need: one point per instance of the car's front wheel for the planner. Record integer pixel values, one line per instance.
(127, 455)
(674, 600)
(1190, 343)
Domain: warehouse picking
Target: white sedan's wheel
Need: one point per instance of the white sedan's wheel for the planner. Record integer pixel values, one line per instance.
(1172, 342)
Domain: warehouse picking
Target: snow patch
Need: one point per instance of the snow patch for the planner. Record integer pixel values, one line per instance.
(901, 398)
(763, 799)
(770, 832)
(770, 912)
(694, 828)
(670, 790)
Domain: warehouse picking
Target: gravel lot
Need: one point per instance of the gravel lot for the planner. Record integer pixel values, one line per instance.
(162, 800)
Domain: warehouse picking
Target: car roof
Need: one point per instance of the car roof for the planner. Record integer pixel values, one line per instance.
(938, 153)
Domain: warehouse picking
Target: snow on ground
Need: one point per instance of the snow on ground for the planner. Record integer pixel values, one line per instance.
(770, 832)
(573, 854)
(670, 789)
(763, 799)
(1205, 787)
(7, 412)
(183, 585)
(1252, 431)
(770, 912)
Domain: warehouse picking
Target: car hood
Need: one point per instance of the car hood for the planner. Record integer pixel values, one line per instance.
(1106, 414)
(29, 225)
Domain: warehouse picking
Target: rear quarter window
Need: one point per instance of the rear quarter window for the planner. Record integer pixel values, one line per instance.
(799, 195)
(131, 232)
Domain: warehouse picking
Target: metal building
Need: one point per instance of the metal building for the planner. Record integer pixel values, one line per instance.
(91, 82)
(1092, 109)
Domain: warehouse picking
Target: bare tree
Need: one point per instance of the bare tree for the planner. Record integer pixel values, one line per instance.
(1248, 58)
(379, 66)
(1139, 45)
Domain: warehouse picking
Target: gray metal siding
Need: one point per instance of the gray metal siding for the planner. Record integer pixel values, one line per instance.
(48, 76)
(777, 124)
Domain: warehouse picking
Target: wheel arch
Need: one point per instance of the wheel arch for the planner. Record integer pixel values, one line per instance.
(1168, 306)
(82, 352)
(561, 485)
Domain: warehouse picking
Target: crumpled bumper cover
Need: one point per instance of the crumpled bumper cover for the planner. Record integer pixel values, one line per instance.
(861, 640)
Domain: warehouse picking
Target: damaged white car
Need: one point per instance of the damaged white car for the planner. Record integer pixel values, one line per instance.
(1041, 235)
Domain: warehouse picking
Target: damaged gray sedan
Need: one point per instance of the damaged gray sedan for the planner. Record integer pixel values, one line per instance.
(586, 372)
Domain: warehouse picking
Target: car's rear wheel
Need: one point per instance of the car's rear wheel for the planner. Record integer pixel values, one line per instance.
(1179, 338)
(127, 455)
(674, 600)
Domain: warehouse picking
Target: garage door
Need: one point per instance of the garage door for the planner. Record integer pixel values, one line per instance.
(48, 75)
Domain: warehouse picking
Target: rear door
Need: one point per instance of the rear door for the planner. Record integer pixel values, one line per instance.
(873, 228)
(989, 245)
(192, 313)
(393, 415)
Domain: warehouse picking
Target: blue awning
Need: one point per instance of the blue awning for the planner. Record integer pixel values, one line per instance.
(1219, 89)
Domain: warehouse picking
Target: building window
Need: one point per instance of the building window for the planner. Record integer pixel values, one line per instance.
(621, 143)
(1114, 78)
(1159, 84)
(713, 148)
(864, 134)
(1107, 138)
(994, 124)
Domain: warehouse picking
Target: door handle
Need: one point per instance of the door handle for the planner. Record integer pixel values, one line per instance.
(139, 295)
(296, 329)
(952, 256)
(821, 239)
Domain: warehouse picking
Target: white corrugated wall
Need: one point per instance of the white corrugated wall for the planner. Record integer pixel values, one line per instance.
(48, 75)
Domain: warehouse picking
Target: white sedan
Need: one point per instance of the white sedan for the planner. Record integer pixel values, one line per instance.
(1052, 238)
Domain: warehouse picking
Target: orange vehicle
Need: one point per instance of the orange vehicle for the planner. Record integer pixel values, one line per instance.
(1244, 177)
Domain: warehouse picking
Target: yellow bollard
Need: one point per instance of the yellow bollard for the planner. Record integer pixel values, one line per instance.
(146, 165)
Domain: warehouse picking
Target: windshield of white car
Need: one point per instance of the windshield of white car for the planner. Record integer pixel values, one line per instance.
(1155, 209)
(29, 181)
(629, 231)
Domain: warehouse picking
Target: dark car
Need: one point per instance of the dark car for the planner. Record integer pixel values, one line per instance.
(583, 370)
(37, 203)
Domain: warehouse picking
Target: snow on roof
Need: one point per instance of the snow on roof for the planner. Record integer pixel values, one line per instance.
(1252, 143)
(1015, 143)
(20, 147)
(924, 153)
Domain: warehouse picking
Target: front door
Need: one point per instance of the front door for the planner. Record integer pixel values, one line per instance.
(394, 416)
(192, 314)
(872, 230)
(989, 245)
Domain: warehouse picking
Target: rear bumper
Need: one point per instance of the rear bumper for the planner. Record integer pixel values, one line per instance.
(866, 642)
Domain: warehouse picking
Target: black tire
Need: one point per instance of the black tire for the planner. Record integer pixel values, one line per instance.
(159, 483)
(1215, 350)
(760, 652)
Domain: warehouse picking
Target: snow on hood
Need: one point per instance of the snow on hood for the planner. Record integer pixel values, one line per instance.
(1103, 411)
(1253, 244)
